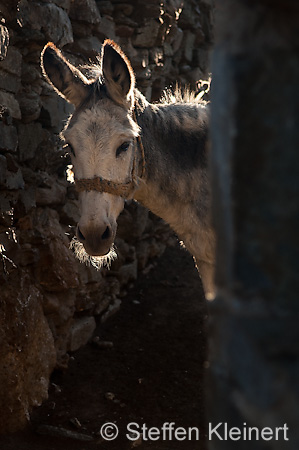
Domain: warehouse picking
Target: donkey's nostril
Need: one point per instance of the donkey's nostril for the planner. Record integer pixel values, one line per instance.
(80, 236)
(106, 234)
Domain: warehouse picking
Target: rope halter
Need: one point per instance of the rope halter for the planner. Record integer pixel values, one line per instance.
(124, 190)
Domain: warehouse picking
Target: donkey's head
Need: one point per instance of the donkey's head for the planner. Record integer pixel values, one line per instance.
(101, 135)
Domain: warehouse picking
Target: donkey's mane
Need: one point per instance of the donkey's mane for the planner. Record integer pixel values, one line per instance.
(93, 72)
(170, 95)
(183, 95)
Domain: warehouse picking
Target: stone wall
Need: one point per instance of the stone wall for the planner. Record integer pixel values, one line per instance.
(48, 300)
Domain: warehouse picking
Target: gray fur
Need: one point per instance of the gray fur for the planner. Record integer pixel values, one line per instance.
(175, 138)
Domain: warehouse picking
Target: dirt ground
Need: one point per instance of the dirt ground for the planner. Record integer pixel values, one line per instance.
(149, 371)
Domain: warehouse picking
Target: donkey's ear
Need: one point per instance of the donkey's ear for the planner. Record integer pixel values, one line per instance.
(67, 80)
(118, 73)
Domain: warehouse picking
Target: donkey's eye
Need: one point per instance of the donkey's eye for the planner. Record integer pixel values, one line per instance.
(122, 148)
(69, 148)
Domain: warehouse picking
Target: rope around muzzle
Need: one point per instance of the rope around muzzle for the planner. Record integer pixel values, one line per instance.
(124, 190)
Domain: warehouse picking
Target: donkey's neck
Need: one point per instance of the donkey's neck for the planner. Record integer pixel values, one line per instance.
(175, 186)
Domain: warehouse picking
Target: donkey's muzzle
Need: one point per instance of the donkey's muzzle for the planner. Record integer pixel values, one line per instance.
(97, 241)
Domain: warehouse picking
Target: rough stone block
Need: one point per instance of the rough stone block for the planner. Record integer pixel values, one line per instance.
(48, 18)
(30, 105)
(3, 168)
(189, 40)
(64, 4)
(106, 7)
(202, 58)
(53, 196)
(27, 352)
(14, 180)
(8, 101)
(57, 269)
(85, 11)
(70, 213)
(132, 222)
(30, 136)
(4, 41)
(29, 255)
(54, 111)
(147, 35)
(127, 273)
(12, 62)
(89, 46)
(106, 29)
(124, 31)
(81, 331)
(8, 137)
(176, 35)
(9, 82)
(27, 200)
(30, 73)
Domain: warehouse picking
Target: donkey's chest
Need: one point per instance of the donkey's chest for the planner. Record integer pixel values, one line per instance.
(183, 217)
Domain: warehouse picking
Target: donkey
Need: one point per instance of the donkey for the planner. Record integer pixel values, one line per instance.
(123, 147)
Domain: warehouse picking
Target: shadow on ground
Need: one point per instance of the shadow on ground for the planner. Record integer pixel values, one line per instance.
(152, 374)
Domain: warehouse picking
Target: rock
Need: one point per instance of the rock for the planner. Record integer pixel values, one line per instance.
(3, 168)
(53, 196)
(89, 46)
(85, 11)
(50, 156)
(127, 273)
(30, 74)
(63, 274)
(106, 28)
(8, 138)
(124, 31)
(54, 111)
(51, 304)
(30, 105)
(175, 36)
(8, 9)
(188, 17)
(12, 63)
(124, 8)
(26, 201)
(140, 58)
(30, 136)
(81, 332)
(194, 76)
(65, 4)
(4, 41)
(112, 309)
(189, 39)
(27, 352)
(6, 210)
(9, 82)
(168, 50)
(14, 177)
(29, 255)
(69, 213)
(147, 35)
(46, 18)
(202, 58)
(14, 180)
(132, 222)
(8, 101)
(106, 7)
